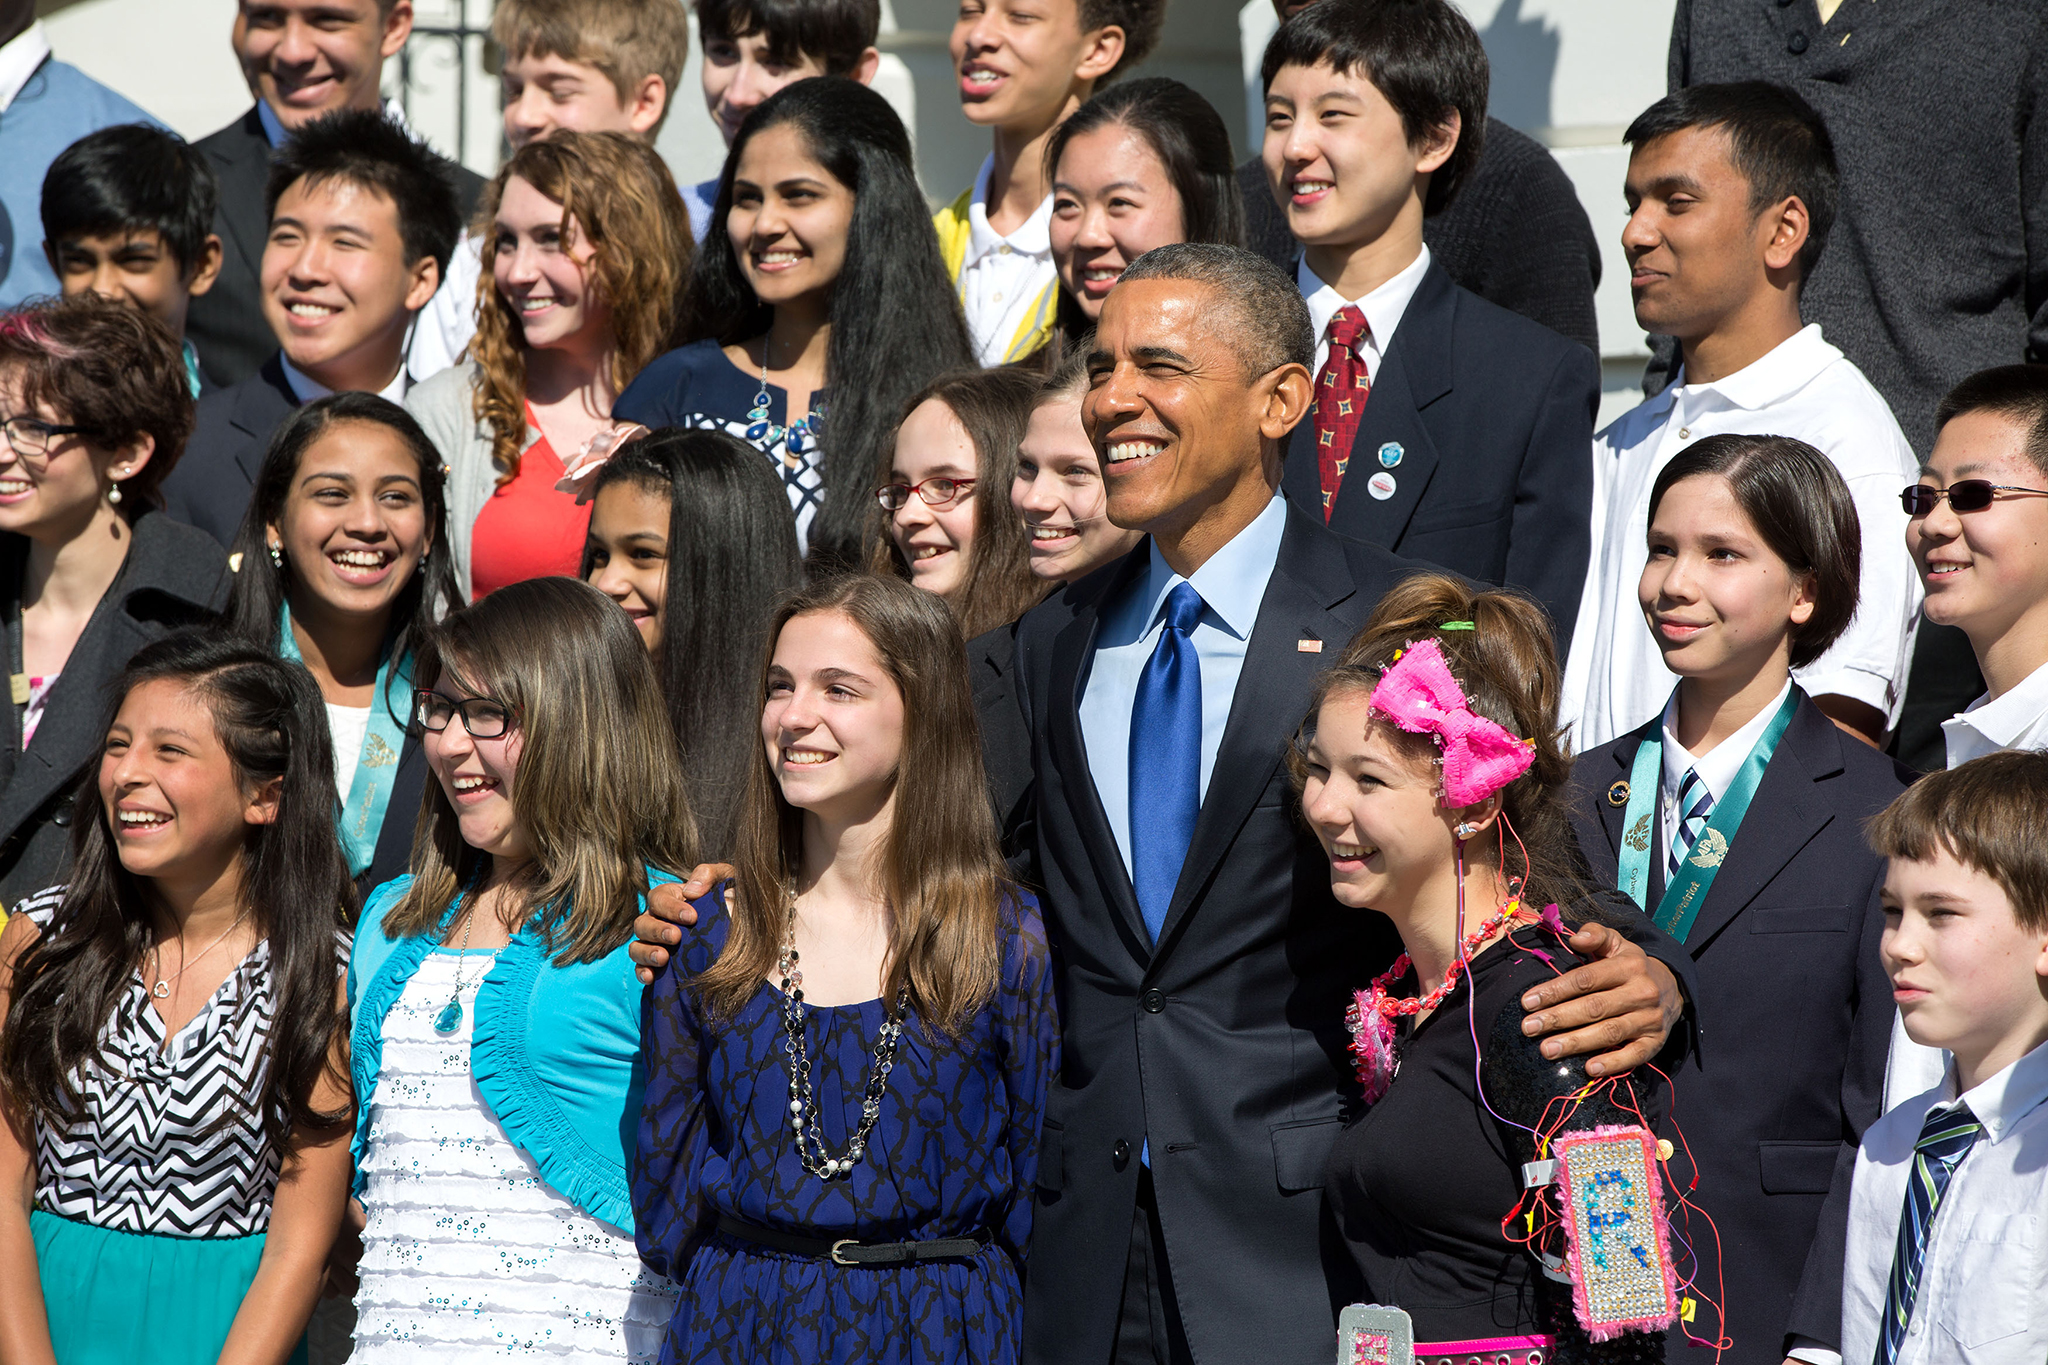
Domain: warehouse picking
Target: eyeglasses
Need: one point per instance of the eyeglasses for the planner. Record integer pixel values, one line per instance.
(483, 717)
(935, 492)
(1967, 495)
(30, 436)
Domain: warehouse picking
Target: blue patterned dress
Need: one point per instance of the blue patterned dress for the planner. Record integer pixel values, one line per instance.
(954, 1151)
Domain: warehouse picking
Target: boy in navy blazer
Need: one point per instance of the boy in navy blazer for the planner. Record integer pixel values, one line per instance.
(1444, 428)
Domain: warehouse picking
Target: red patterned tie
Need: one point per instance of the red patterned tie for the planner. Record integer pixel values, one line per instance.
(1341, 391)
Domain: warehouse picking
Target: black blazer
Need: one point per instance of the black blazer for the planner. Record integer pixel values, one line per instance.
(1005, 744)
(226, 323)
(1796, 1013)
(174, 576)
(1224, 1044)
(214, 479)
(1493, 416)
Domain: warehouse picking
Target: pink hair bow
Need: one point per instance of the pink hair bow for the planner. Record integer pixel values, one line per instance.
(579, 471)
(1419, 694)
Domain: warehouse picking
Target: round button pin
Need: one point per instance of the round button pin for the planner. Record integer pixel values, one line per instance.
(1381, 486)
(1390, 454)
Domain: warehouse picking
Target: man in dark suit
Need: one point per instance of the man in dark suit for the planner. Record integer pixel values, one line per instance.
(1204, 962)
(1515, 235)
(1443, 427)
(303, 59)
(362, 224)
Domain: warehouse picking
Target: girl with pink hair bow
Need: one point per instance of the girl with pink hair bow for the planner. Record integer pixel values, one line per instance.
(1432, 771)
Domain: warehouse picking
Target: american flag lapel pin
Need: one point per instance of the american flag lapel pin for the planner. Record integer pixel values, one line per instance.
(1308, 646)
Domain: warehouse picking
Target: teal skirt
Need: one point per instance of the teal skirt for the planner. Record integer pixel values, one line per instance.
(115, 1298)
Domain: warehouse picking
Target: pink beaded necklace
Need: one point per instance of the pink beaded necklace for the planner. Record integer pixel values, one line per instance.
(1373, 1012)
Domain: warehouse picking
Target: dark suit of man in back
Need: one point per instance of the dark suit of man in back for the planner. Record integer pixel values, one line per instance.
(302, 59)
(1179, 1214)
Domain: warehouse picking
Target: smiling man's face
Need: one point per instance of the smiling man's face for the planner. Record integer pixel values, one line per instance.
(1171, 411)
(305, 58)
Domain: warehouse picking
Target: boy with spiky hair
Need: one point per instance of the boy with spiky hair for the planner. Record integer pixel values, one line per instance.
(1024, 65)
(128, 214)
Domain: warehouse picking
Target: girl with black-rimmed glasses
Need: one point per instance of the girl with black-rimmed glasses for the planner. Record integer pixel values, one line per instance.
(496, 1021)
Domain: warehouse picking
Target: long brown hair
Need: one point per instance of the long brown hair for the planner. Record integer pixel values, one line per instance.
(598, 794)
(619, 196)
(1507, 665)
(941, 867)
(994, 408)
(295, 888)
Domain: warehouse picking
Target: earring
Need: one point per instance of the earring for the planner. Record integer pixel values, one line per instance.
(114, 494)
(277, 556)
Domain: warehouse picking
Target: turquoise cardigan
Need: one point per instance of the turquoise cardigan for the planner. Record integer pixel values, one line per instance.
(554, 1050)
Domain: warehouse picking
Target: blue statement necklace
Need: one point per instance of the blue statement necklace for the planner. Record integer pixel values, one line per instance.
(797, 439)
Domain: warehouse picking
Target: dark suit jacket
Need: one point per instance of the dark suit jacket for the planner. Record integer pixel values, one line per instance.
(1224, 1043)
(215, 477)
(1796, 1013)
(226, 323)
(1005, 744)
(173, 576)
(1493, 417)
(1515, 234)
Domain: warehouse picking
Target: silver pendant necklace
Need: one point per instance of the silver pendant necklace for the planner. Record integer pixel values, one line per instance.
(162, 987)
(809, 1134)
(450, 1017)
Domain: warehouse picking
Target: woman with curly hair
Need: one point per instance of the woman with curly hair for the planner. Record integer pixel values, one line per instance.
(586, 260)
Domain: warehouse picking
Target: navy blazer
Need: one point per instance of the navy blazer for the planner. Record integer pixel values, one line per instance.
(1484, 421)
(216, 476)
(1796, 1014)
(1223, 1043)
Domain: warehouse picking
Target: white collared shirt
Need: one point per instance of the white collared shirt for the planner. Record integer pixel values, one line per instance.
(308, 389)
(276, 134)
(1985, 1273)
(2017, 720)
(1232, 584)
(1003, 278)
(1717, 767)
(19, 58)
(1615, 678)
(448, 322)
(1383, 309)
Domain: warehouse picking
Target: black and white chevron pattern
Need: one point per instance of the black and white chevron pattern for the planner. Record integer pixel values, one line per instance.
(168, 1140)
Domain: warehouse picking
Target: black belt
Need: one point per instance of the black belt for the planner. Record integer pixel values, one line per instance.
(847, 1251)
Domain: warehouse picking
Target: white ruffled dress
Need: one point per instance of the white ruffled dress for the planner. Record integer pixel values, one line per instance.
(469, 1254)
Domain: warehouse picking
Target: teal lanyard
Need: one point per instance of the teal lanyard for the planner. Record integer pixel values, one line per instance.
(369, 795)
(1688, 890)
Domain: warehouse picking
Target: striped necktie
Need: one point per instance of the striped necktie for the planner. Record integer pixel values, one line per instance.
(1945, 1139)
(1695, 804)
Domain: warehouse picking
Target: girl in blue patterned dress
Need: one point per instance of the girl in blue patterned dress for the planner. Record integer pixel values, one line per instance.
(846, 1071)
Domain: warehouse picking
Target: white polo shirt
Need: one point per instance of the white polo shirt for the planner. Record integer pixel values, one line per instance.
(1003, 278)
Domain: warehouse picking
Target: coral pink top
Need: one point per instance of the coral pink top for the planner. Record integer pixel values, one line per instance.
(527, 529)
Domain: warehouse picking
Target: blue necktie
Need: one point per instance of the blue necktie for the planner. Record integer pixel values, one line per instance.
(1166, 758)
(1695, 804)
(1945, 1139)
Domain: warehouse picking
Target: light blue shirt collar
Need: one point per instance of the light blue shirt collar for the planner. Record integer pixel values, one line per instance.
(276, 134)
(1232, 582)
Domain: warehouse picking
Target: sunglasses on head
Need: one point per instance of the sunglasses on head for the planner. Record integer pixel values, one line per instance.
(1965, 495)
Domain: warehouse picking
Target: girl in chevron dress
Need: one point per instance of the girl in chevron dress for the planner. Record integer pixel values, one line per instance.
(173, 1155)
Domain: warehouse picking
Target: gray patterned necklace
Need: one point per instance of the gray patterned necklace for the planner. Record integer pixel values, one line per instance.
(805, 1129)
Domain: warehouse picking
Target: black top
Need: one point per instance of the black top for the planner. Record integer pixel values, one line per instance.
(1420, 1183)
(1515, 234)
(216, 476)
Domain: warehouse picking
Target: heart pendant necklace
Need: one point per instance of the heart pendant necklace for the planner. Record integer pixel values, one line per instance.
(161, 988)
(450, 1017)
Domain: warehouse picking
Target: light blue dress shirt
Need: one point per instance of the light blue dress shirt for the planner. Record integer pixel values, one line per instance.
(1232, 584)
